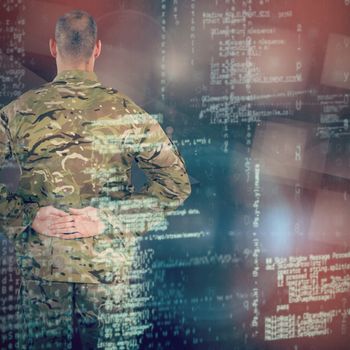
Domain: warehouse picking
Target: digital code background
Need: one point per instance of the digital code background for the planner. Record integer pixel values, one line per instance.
(256, 96)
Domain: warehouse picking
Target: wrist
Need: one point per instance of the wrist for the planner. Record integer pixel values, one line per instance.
(29, 213)
(105, 226)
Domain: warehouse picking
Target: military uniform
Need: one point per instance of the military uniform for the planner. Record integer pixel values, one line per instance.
(74, 141)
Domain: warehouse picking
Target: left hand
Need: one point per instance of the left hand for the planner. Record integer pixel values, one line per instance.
(81, 223)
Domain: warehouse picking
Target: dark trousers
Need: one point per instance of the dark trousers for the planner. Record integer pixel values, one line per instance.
(62, 315)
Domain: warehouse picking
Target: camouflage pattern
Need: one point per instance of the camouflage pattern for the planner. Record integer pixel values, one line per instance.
(61, 315)
(75, 140)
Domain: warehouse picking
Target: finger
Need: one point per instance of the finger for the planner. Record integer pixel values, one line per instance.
(67, 225)
(61, 230)
(58, 212)
(62, 220)
(72, 236)
(77, 211)
(70, 227)
(54, 234)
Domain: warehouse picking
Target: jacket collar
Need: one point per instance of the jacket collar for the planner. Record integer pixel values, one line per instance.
(75, 74)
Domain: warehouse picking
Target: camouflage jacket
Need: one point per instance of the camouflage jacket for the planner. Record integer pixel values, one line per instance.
(74, 141)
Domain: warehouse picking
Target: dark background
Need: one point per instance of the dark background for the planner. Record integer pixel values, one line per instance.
(255, 94)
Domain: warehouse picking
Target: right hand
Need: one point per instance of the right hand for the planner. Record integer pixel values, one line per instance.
(44, 218)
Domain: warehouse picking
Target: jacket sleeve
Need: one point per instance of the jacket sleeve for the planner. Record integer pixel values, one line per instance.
(167, 188)
(15, 215)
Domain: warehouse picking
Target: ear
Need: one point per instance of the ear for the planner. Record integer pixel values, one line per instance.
(98, 47)
(53, 47)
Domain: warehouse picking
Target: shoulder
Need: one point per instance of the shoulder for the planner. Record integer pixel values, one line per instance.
(129, 105)
(35, 93)
(30, 96)
(26, 104)
(122, 103)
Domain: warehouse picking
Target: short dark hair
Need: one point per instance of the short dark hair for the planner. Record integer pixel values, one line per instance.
(76, 34)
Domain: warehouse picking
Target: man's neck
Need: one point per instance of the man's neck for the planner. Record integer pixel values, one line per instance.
(88, 66)
(63, 68)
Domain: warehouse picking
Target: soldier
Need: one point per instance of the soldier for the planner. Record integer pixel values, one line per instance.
(75, 216)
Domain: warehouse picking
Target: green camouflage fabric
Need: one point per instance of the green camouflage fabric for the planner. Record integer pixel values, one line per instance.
(74, 140)
(53, 315)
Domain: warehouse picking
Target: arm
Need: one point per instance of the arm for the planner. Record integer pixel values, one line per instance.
(167, 189)
(15, 215)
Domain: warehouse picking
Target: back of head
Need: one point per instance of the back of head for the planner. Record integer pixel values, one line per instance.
(76, 34)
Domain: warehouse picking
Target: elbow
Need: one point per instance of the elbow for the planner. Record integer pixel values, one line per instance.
(185, 192)
(178, 197)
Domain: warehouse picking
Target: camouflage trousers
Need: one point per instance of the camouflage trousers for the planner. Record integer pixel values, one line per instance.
(62, 315)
